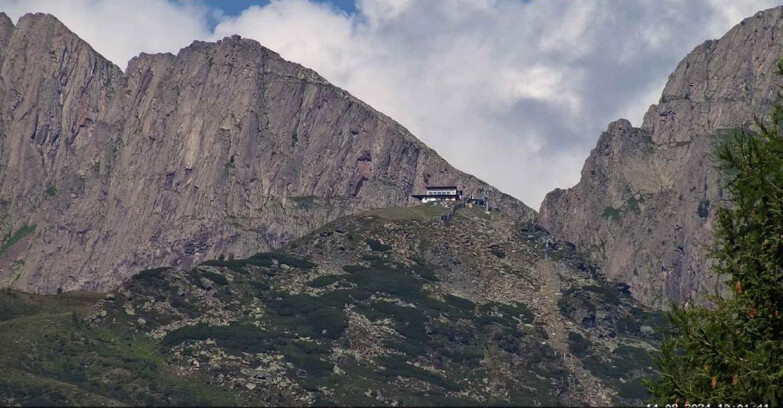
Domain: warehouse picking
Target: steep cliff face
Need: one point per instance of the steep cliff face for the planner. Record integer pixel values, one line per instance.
(223, 149)
(644, 208)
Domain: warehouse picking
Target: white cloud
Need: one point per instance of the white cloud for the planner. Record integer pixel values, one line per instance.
(539, 82)
(515, 92)
(120, 30)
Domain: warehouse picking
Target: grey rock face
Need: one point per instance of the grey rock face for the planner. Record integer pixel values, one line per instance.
(645, 206)
(223, 149)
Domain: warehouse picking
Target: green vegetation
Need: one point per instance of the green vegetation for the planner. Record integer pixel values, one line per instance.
(285, 259)
(630, 358)
(459, 303)
(634, 205)
(152, 278)
(392, 282)
(611, 213)
(310, 316)
(577, 344)
(732, 353)
(305, 202)
(409, 322)
(475, 212)
(608, 294)
(17, 236)
(376, 245)
(593, 295)
(631, 324)
(262, 259)
(398, 366)
(423, 269)
(385, 278)
(234, 339)
(149, 274)
(423, 212)
(704, 209)
(238, 265)
(215, 277)
(623, 370)
(508, 314)
(497, 251)
(322, 281)
(51, 191)
(633, 389)
(277, 318)
(50, 357)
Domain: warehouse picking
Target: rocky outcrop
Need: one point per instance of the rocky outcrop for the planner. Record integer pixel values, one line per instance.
(644, 208)
(223, 149)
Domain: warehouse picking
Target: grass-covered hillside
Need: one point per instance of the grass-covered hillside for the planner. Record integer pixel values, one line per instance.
(387, 308)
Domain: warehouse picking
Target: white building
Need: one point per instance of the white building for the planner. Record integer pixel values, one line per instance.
(439, 193)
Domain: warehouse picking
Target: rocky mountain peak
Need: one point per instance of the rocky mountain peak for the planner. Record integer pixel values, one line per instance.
(619, 126)
(224, 149)
(644, 207)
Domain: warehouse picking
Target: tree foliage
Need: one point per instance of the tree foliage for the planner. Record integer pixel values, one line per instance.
(732, 352)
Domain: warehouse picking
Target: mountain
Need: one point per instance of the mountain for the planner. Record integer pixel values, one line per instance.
(224, 149)
(645, 205)
(388, 307)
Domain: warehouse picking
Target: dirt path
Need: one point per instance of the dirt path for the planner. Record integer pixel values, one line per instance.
(557, 327)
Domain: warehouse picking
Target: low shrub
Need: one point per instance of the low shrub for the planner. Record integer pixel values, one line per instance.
(376, 245)
(293, 261)
(507, 339)
(347, 296)
(215, 277)
(465, 355)
(628, 358)
(392, 282)
(628, 325)
(459, 303)
(398, 366)
(609, 294)
(146, 274)
(238, 265)
(322, 281)
(509, 312)
(599, 368)
(633, 390)
(22, 232)
(234, 338)
(497, 251)
(354, 268)
(578, 345)
(425, 271)
(152, 278)
(322, 316)
(412, 349)
(408, 321)
(611, 213)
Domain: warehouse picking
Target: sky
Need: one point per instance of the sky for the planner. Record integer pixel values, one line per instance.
(516, 92)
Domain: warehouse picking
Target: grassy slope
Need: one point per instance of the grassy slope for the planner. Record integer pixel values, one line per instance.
(49, 356)
(345, 323)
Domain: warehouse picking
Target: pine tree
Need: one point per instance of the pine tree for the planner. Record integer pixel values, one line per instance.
(732, 352)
